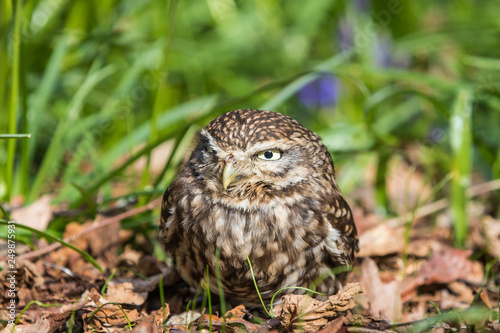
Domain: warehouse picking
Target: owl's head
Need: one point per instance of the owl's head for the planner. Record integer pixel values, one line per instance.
(250, 149)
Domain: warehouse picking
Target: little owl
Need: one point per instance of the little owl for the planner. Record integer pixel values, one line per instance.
(262, 186)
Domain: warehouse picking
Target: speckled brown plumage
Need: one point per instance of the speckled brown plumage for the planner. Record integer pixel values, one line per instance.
(261, 185)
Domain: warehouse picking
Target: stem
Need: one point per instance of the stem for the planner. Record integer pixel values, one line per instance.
(14, 96)
(257, 289)
(15, 136)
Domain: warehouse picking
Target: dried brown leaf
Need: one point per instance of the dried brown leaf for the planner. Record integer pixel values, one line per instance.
(304, 313)
(381, 240)
(445, 266)
(112, 315)
(146, 325)
(37, 215)
(491, 235)
(383, 298)
(161, 315)
(235, 313)
(179, 321)
(67, 257)
(334, 326)
(103, 243)
(241, 325)
(124, 293)
(41, 326)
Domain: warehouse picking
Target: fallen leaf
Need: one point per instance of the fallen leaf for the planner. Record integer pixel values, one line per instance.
(422, 248)
(146, 325)
(416, 312)
(37, 215)
(161, 315)
(463, 292)
(241, 325)
(28, 280)
(334, 326)
(65, 256)
(179, 321)
(205, 321)
(445, 266)
(491, 229)
(495, 326)
(381, 240)
(384, 299)
(103, 242)
(307, 314)
(38, 327)
(111, 315)
(235, 313)
(124, 293)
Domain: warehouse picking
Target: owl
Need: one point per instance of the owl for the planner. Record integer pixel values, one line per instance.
(258, 187)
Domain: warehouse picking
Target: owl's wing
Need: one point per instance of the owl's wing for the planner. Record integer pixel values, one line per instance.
(340, 218)
(167, 227)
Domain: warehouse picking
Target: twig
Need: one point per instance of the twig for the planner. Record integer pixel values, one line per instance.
(363, 330)
(93, 227)
(483, 188)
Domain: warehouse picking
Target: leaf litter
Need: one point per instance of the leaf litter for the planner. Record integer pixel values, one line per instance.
(385, 293)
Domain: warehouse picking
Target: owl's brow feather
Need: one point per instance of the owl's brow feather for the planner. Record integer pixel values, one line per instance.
(245, 128)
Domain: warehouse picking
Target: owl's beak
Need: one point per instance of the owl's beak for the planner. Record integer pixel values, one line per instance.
(228, 174)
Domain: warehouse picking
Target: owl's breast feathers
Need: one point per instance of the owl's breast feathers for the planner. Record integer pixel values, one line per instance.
(290, 238)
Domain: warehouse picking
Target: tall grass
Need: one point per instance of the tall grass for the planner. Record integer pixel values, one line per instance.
(14, 95)
(461, 144)
(101, 84)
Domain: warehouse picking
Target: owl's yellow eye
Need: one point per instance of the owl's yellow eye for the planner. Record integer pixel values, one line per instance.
(209, 149)
(269, 155)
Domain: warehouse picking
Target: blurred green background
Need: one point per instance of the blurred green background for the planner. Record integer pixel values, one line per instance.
(99, 84)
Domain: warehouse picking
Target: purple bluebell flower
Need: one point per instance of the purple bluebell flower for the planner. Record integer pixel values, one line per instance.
(345, 35)
(382, 54)
(362, 5)
(322, 92)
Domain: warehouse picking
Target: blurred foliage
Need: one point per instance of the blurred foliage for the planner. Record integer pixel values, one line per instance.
(97, 80)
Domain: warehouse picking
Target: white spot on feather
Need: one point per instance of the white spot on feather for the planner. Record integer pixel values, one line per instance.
(331, 241)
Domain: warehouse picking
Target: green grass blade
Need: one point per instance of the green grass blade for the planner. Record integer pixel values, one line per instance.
(257, 289)
(218, 275)
(6, 215)
(381, 196)
(184, 142)
(40, 98)
(461, 164)
(14, 96)
(209, 302)
(115, 172)
(53, 156)
(39, 233)
(168, 122)
(162, 295)
(162, 94)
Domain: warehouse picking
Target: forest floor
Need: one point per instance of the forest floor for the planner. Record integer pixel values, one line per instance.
(408, 277)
